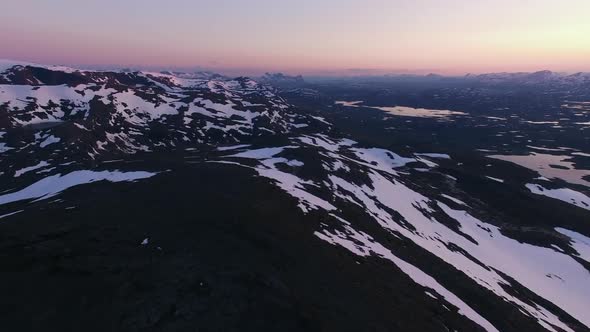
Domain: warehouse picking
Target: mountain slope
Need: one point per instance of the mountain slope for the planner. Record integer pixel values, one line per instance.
(319, 231)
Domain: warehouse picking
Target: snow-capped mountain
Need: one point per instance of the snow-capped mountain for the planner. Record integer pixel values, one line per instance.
(88, 113)
(456, 262)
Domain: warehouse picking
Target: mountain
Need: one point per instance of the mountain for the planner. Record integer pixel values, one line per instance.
(282, 80)
(169, 201)
(543, 77)
(89, 113)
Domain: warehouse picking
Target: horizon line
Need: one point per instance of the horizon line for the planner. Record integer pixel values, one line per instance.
(260, 71)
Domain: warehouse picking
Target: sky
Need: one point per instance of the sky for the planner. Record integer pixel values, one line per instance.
(324, 37)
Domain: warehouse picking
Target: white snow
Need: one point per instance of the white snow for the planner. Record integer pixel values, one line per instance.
(563, 194)
(80, 126)
(546, 149)
(290, 183)
(4, 148)
(53, 185)
(49, 140)
(381, 159)
(552, 275)
(30, 168)
(321, 119)
(295, 163)
(226, 110)
(495, 179)
(129, 100)
(325, 142)
(232, 147)
(454, 199)
(348, 103)
(19, 96)
(542, 122)
(294, 186)
(139, 105)
(579, 242)
(426, 162)
(259, 153)
(10, 214)
(249, 104)
(363, 244)
(434, 155)
(527, 264)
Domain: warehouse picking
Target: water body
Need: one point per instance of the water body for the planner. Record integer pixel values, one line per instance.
(404, 110)
(549, 166)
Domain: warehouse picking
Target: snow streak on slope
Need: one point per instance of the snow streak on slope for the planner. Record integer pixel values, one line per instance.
(55, 184)
(579, 242)
(363, 244)
(563, 194)
(30, 168)
(293, 185)
(477, 249)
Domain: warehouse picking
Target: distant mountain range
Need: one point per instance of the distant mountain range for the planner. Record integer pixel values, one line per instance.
(527, 78)
(540, 77)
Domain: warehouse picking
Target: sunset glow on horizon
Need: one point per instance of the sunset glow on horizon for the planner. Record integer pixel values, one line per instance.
(307, 37)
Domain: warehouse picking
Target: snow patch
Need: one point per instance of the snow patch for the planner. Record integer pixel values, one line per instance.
(495, 179)
(49, 140)
(563, 194)
(53, 185)
(30, 168)
(579, 242)
(363, 245)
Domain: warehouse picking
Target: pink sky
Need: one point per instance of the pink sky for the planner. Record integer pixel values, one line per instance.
(322, 36)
